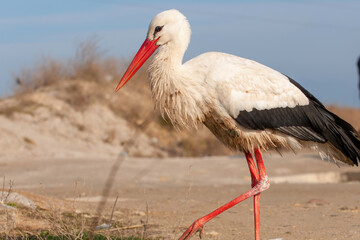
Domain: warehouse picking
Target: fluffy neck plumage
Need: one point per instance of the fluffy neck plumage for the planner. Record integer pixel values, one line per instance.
(173, 95)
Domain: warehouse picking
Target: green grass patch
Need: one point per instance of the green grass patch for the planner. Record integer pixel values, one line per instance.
(12, 204)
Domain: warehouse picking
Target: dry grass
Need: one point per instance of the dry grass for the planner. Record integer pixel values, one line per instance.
(91, 77)
(44, 73)
(56, 223)
(54, 218)
(88, 64)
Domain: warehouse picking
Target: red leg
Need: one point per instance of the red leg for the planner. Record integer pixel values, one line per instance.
(253, 170)
(263, 177)
(260, 164)
(257, 216)
(254, 180)
(262, 183)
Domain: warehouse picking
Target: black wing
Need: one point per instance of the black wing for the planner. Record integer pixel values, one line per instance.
(297, 122)
(312, 122)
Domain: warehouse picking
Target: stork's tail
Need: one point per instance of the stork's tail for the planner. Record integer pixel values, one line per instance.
(344, 138)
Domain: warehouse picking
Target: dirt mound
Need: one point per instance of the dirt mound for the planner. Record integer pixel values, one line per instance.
(47, 123)
(78, 118)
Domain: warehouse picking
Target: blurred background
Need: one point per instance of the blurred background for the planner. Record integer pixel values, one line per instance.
(62, 125)
(60, 63)
(314, 42)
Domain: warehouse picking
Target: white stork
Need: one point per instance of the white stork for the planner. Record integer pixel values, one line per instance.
(246, 105)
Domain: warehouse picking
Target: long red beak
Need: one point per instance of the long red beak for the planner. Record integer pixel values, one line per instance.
(145, 51)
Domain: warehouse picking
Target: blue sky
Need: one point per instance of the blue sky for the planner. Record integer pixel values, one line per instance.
(317, 43)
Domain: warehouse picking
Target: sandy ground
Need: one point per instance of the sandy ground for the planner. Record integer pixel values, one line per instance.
(308, 199)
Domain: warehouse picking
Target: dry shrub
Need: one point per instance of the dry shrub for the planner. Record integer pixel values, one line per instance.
(87, 64)
(84, 79)
(59, 224)
(45, 73)
(91, 64)
(133, 102)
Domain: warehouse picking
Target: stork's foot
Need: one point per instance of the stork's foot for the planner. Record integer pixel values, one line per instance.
(197, 226)
(260, 182)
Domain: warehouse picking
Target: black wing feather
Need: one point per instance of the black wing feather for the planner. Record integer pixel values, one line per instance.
(292, 121)
(312, 122)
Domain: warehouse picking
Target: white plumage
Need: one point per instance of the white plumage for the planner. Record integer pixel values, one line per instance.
(243, 84)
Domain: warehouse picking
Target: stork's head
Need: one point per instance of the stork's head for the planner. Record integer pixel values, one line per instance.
(169, 28)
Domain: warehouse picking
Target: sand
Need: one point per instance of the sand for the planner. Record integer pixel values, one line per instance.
(308, 198)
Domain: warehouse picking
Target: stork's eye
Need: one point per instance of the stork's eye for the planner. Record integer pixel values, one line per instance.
(158, 29)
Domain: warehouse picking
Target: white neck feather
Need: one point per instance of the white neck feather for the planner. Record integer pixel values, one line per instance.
(173, 91)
